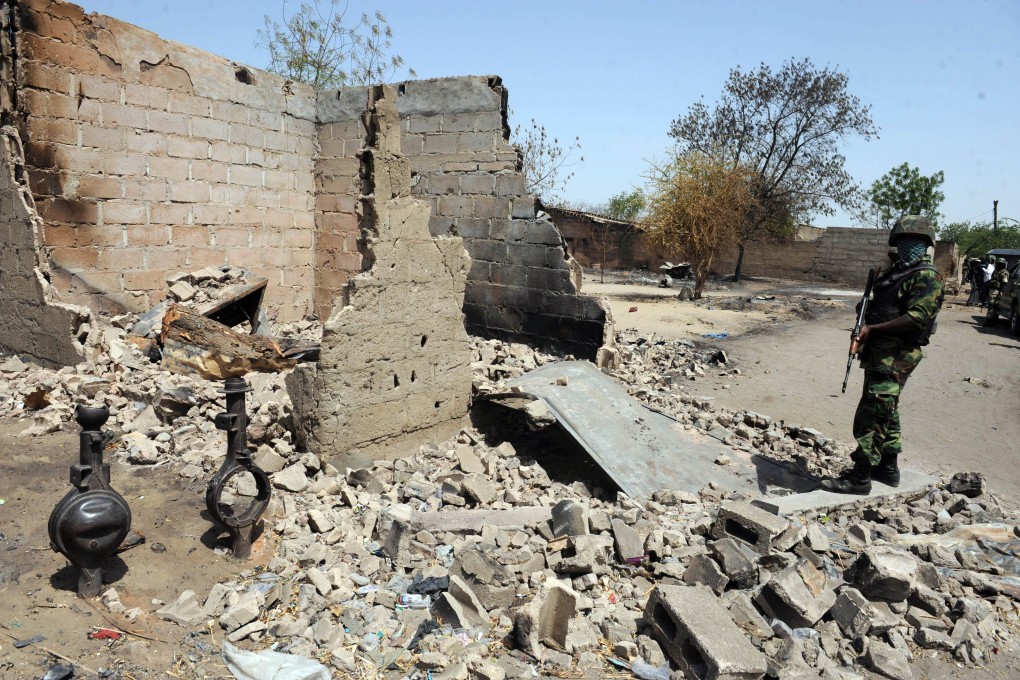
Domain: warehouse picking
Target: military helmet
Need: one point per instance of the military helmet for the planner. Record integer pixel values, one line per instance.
(1000, 260)
(912, 225)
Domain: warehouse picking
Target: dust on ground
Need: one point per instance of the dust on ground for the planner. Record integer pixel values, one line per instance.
(788, 356)
(39, 587)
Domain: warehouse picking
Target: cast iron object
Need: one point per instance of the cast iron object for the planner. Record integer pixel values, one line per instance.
(241, 527)
(92, 520)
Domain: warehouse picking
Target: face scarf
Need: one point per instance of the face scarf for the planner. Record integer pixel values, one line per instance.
(911, 250)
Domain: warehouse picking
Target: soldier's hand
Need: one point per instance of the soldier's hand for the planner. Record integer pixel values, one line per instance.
(857, 342)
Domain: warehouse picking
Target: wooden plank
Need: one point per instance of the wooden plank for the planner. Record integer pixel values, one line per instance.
(194, 344)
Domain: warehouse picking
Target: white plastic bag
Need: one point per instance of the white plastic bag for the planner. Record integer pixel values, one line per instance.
(269, 665)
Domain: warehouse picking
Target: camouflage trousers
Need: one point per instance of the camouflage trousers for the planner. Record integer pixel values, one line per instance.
(877, 421)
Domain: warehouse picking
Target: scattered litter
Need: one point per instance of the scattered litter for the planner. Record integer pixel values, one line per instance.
(269, 665)
(104, 634)
(646, 671)
(34, 640)
(59, 671)
(632, 309)
(716, 336)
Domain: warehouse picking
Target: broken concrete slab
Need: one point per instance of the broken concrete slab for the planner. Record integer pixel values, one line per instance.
(798, 595)
(493, 583)
(911, 482)
(884, 573)
(569, 518)
(628, 542)
(184, 611)
(852, 612)
(699, 635)
(470, 520)
(640, 449)
(545, 620)
(460, 607)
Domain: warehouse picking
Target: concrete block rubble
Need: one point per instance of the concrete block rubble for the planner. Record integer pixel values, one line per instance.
(465, 559)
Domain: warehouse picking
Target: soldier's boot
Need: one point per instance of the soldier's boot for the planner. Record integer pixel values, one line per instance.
(856, 480)
(887, 471)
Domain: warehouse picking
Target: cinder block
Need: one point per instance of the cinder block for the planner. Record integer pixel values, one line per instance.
(750, 525)
(171, 123)
(441, 143)
(699, 635)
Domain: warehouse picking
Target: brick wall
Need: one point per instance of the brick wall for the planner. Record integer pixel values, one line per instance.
(147, 157)
(846, 254)
(337, 258)
(521, 284)
(788, 260)
(395, 366)
(33, 325)
(587, 236)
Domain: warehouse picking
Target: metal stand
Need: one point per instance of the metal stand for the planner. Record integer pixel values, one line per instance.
(235, 422)
(90, 522)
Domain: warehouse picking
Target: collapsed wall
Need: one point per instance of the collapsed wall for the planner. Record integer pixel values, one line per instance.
(395, 355)
(148, 157)
(34, 325)
(522, 285)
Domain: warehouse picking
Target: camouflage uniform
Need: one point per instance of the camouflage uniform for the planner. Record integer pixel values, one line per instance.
(888, 361)
(997, 285)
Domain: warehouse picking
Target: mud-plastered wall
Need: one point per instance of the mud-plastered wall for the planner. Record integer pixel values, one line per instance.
(395, 358)
(147, 157)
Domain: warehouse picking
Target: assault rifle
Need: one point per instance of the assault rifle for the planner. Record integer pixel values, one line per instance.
(862, 311)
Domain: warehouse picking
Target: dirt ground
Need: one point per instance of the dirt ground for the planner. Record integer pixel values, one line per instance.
(959, 410)
(788, 343)
(38, 588)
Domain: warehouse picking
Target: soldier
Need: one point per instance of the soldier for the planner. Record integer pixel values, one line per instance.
(975, 275)
(899, 321)
(996, 287)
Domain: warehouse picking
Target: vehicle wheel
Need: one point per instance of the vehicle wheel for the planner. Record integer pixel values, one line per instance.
(1014, 321)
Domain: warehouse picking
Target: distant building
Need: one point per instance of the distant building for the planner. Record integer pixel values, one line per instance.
(594, 240)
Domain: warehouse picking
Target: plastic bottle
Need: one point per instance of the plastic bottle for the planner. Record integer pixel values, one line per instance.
(414, 601)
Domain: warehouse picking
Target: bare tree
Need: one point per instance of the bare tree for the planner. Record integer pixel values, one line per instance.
(787, 126)
(544, 161)
(315, 45)
(603, 236)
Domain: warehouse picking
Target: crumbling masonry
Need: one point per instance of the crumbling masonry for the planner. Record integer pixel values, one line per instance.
(415, 374)
(145, 157)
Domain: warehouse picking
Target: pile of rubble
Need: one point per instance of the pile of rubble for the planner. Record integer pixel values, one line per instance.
(661, 371)
(466, 560)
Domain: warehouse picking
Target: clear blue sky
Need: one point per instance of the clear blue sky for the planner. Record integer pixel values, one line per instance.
(942, 76)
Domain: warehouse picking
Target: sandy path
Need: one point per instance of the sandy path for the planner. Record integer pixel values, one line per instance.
(792, 368)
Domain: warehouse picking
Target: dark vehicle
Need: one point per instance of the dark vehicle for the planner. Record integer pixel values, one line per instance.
(1008, 306)
(1011, 255)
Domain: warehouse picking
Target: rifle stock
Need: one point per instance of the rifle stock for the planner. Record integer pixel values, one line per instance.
(861, 315)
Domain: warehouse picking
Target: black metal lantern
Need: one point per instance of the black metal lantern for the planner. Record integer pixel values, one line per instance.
(90, 522)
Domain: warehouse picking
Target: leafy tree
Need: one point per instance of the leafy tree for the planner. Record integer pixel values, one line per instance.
(544, 160)
(905, 191)
(315, 45)
(978, 239)
(626, 205)
(787, 126)
(697, 205)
